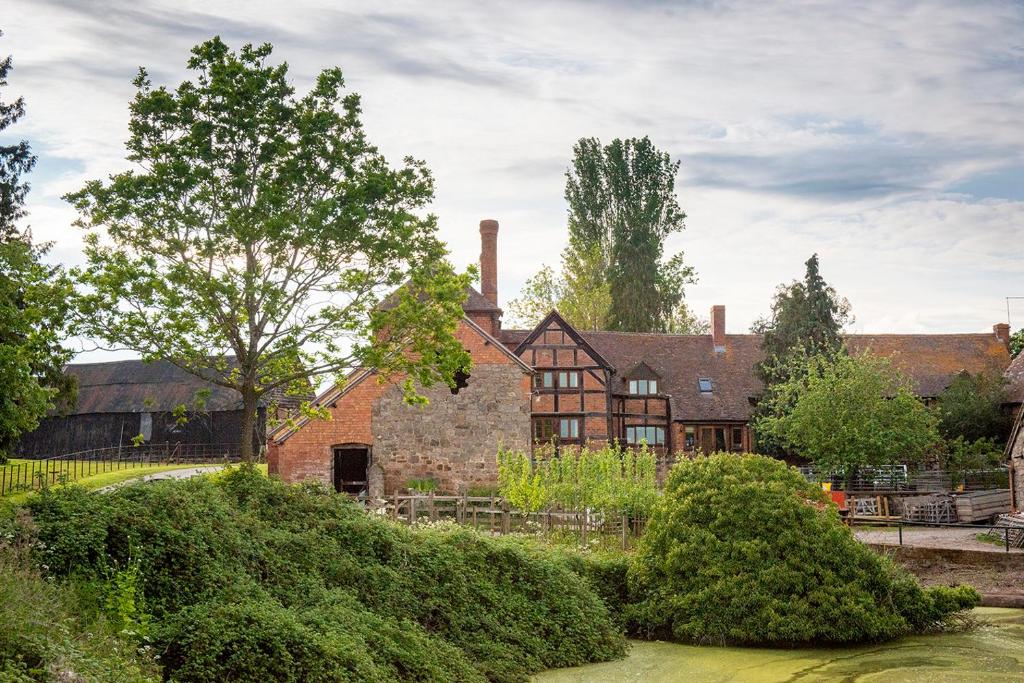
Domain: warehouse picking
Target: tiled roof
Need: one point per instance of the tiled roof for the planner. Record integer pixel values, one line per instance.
(1015, 376)
(930, 361)
(475, 302)
(134, 386)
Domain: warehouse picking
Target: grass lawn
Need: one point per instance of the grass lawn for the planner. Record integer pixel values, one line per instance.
(103, 479)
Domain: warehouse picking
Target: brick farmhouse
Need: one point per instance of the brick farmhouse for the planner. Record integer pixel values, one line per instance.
(678, 393)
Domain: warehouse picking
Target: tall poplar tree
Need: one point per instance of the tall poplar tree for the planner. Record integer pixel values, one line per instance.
(623, 206)
(255, 239)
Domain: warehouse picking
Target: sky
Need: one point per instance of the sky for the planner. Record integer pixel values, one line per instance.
(886, 137)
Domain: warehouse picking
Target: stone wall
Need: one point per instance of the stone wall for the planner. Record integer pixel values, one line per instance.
(1017, 469)
(455, 438)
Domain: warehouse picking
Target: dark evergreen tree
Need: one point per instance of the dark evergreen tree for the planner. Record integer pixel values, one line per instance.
(622, 207)
(806, 319)
(34, 300)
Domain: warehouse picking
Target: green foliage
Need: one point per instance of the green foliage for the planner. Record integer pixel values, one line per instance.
(622, 203)
(971, 407)
(614, 480)
(421, 485)
(263, 227)
(742, 549)
(807, 318)
(960, 456)
(622, 208)
(845, 412)
(1017, 343)
(45, 635)
(238, 571)
(35, 300)
(581, 294)
(605, 572)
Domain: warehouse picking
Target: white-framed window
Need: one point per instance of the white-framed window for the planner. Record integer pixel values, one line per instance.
(652, 436)
(643, 387)
(560, 380)
(569, 428)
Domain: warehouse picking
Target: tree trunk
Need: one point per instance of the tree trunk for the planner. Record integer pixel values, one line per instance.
(248, 423)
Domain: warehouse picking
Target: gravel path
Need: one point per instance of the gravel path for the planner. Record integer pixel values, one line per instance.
(184, 473)
(932, 537)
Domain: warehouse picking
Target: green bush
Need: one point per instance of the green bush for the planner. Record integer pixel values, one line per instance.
(45, 636)
(742, 549)
(223, 560)
(605, 572)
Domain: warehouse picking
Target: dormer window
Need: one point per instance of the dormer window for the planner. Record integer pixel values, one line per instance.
(643, 387)
(642, 380)
(705, 385)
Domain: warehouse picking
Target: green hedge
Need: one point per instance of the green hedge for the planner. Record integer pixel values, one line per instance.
(331, 592)
(742, 549)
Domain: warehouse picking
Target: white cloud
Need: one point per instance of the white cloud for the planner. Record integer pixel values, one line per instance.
(830, 127)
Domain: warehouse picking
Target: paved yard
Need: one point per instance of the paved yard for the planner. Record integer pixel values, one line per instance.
(931, 537)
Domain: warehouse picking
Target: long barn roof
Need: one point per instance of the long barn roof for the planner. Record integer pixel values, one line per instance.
(135, 386)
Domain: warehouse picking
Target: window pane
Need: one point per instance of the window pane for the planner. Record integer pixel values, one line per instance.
(549, 379)
(563, 379)
(705, 384)
(653, 386)
(575, 429)
(632, 386)
(659, 436)
(691, 438)
(574, 379)
(630, 435)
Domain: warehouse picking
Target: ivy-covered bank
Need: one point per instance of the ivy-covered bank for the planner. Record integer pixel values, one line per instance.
(246, 579)
(240, 578)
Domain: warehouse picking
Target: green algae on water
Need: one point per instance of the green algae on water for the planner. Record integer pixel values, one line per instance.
(993, 651)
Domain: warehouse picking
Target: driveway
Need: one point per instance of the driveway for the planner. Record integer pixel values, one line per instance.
(931, 537)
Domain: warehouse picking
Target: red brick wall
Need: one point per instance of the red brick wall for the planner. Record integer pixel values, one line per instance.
(307, 454)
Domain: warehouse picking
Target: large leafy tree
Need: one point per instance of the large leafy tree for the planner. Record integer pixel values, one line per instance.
(258, 234)
(34, 300)
(807, 318)
(971, 408)
(845, 412)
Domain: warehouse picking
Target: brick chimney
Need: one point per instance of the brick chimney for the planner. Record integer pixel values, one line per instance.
(489, 260)
(718, 327)
(1002, 331)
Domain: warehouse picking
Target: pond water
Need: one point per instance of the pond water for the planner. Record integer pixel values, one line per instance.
(994, 651)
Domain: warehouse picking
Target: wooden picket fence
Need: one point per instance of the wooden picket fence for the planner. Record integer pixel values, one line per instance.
(33, 475)
(494, 515)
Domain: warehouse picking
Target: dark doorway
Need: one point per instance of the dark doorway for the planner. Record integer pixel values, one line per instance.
(350, 465)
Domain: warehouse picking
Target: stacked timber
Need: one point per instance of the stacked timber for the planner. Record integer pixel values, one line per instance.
(982, 505)
(1017, 533)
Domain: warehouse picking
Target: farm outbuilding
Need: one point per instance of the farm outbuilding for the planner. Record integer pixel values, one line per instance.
(120, 400)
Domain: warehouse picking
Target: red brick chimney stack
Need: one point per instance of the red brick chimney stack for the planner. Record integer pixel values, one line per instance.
(718, 327)
(1002, 331)
(489, 260)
